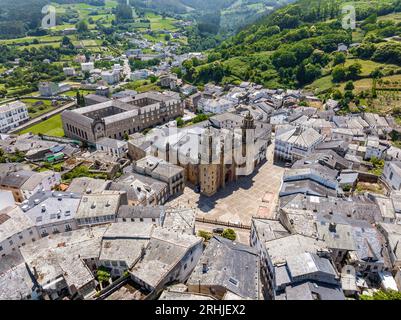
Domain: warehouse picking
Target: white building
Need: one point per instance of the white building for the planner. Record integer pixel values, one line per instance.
(87, 66)
(69, 71)
(111, 77)
(141, 214)
(6, 199)
(12, 115)
(53, 212)
(40, 181)
(95, 209)
(170, 256)
(292, 143)
(392, 174)
(139, 74)
(115, 147)
(16, 230)
(48, 89)
(123, 244)
(374, 149)
(215, 105)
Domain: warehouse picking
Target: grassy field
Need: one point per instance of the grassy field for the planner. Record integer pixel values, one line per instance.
(158, 23)
(322, 84)
(36, 110)
(369, 66)
(52, 127)
(142, 86)
(73, 93)
(396, 17)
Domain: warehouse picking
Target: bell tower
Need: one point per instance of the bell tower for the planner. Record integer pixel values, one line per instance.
(247, 124)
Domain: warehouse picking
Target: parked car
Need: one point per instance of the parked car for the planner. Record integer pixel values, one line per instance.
(218, 230)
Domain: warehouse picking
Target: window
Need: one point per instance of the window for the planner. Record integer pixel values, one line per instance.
(233, 281)
(1, 248)
(391, 176)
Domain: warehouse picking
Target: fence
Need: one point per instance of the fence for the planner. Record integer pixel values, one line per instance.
(60, 139)
(222, 223)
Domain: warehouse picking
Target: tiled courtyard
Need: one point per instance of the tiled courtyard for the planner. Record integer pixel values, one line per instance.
(254, 195)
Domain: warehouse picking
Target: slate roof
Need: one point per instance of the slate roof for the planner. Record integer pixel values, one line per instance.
(231, 265)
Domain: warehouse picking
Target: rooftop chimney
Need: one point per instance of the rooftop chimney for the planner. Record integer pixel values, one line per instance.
(332, 227)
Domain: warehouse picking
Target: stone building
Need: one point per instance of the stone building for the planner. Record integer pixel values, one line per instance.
(213, 153)
(116, 118)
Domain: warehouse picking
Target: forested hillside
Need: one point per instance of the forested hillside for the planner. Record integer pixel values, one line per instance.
(20, 16)
(217, 16)
(297, 45)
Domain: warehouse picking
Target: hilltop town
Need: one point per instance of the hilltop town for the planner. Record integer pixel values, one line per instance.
(92, 214)
(122, 180)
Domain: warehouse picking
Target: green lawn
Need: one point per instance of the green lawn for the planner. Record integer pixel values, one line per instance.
(396, 17)
(158, 23)
(368, 66)
(51, 127)
(322, 84)
(37, 110)
(73, 93)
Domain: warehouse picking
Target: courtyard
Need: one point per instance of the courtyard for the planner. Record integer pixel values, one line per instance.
(239, 201)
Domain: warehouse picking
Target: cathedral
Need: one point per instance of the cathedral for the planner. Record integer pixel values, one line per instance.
(215, 152)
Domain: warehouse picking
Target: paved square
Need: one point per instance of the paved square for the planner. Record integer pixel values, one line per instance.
(239, 200)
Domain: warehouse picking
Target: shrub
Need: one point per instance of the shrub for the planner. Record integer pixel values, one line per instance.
(204, 234)
(229, 234)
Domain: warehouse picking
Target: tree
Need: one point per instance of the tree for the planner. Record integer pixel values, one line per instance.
(103, 275)
(339, 58)
(66, 41)
(205, 235)
(348, 95)
(349, 86)
(82, 26)
(337, 95)
(377, 73)
(167, 37)
(78, 97)
(354, 70)
(284, 58)
(180, 122)
(123, 12)
(307, 74)
(338, 74)
(229, 234)
(383, 295)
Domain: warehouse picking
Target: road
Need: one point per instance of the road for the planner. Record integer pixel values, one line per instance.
(40, 118)
(126, 69)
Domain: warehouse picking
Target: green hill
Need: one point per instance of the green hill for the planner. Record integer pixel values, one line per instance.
(217, 16)
(296, 47)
